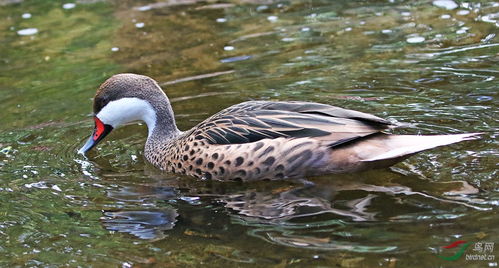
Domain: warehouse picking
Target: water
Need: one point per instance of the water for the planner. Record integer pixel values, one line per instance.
(430, 63)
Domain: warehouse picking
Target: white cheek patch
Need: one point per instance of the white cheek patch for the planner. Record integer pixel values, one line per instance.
(127, 110)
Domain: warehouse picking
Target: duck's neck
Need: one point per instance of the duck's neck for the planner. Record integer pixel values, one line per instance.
(161, 125)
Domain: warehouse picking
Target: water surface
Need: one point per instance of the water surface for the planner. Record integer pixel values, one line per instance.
(433, 64)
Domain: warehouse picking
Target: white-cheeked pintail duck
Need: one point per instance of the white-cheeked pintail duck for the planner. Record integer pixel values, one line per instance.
(255, 139)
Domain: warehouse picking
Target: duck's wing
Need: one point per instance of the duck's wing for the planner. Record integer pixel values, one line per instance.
(256, 120)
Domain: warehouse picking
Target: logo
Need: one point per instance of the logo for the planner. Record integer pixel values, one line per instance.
(482, 251)
(459, 253)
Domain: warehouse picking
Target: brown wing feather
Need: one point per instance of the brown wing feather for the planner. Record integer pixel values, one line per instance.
(257, 120)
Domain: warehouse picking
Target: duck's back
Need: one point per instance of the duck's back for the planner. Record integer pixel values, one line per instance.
(272, 140)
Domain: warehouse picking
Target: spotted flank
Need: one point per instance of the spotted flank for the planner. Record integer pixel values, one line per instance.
(257, 139)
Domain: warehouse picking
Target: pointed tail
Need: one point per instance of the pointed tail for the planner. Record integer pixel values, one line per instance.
(383, 150)
(405, 145)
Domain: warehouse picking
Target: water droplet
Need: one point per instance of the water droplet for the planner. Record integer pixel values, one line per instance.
(69, 5)
(447, 4)
(288, 39)
(272, 18)
(386, 31)
(144, 8)
(303, 82)
(233, 59)
(38, 185)
(262, 8)
(26, 15)
(428, 80)
(114, 49)
(463, 12)
(492, 18)
(484, 98)
(463, 30)
(415, 39)
(193, 200)
(28, 31)
(228, 48)
(56, 188)
(305, 29)
(221, 20)
(139, 25)
(488, 38)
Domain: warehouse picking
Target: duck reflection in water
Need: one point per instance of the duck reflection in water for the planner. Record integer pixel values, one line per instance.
(142, 224)
(277, 209)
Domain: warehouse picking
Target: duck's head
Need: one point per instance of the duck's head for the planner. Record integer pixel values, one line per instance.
(125, 98)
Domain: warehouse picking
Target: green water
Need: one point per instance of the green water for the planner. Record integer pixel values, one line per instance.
(411, 61)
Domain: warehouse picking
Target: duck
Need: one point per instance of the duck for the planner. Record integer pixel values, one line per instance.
(255, 140)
